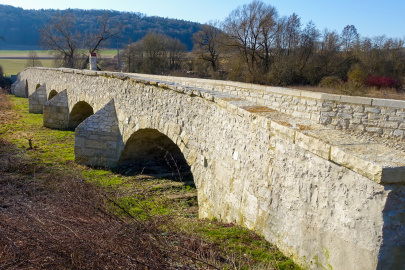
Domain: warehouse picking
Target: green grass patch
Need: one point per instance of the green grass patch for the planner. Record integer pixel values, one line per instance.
(102, 178)
(14, 66)
(108, 52)
(52, 147)
(250, 247)
(143, 208)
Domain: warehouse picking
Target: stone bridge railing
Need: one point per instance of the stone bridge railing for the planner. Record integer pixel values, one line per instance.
(260, 157)
(384, 117)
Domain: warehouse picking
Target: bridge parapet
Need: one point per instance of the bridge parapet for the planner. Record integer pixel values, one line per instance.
(327, 197)
(382, 117)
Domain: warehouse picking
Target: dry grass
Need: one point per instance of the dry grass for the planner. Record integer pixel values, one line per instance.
(368, 92)
(5, 102)
(49, 220)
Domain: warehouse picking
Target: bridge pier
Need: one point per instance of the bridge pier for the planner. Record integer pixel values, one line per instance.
(56, 112)
(98, 139)
(37, 100)
(20, 88)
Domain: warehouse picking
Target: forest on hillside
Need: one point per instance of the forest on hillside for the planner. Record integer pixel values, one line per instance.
(20, 26)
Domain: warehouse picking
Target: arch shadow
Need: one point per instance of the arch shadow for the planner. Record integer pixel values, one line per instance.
(79, 113)
(52, 94)
(26, 89)
(151, 152)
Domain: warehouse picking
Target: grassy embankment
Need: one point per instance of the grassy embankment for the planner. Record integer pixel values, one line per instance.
(58, 214)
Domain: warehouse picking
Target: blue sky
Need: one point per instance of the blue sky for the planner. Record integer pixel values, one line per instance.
(370, 17)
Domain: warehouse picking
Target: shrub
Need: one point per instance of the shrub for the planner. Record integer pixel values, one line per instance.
(352, 88)
(331, 82)
(383, 82)
(5, 102)
(357, 75)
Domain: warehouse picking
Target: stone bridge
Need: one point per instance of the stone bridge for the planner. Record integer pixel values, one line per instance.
(305, 170)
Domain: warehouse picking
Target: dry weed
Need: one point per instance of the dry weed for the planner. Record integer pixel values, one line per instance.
(5, 102)
(49, 220)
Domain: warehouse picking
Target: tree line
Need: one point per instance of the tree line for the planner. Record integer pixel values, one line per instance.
(254, 44)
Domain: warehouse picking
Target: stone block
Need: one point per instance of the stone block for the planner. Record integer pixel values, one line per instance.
(389, 103)
(388, 124)
(283, 91)
(311, 144)
(95, 144)
(282, 131)
(375, 130)
(356, 100)
(398, 133)
(376, 162)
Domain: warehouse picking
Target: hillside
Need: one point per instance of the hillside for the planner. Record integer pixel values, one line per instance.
(20, 26)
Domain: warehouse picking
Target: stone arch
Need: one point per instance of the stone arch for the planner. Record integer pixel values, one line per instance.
(38, 86)
(79, 113)
(52, 94)
(152, 152)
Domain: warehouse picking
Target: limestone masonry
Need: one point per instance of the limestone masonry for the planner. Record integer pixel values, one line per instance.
(298, 167)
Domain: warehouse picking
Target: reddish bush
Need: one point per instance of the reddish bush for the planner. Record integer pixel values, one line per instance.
(383, 82)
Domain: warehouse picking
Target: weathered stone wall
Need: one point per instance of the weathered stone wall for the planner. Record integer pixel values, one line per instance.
(377, 116)
(325, 197)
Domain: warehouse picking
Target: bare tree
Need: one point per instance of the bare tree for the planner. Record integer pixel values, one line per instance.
(349, 37)
(32, 60)
(61, 36)
(100, 36)
(291, 33)
(207, 44)
(308, 46)
(154, 54)
(175, 49)
(253, 29)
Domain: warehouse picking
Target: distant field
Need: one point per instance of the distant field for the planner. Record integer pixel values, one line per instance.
(15, 53)
(13, 66)
(109, 52)
(40, 53)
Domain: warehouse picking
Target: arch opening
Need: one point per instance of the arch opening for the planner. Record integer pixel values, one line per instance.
(80, 112)
(38, 86)
(26, 88)
(52, 94)
(150, 152)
